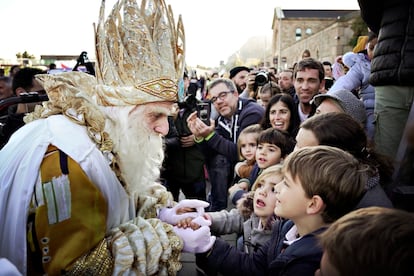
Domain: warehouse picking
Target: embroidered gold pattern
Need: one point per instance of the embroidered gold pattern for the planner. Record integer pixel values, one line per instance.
(163, 87)
(97, 262)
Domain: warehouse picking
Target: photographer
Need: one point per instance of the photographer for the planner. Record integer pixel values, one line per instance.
(83, 60)
(219, 139)
(184, 162)
(23, 82)
(255, 80)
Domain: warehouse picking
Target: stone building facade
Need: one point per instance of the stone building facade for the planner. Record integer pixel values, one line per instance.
(325, 33)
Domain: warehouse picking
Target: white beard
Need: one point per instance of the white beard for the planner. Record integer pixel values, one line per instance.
(139, 152)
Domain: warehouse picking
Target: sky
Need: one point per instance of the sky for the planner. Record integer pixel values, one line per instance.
(214, 29)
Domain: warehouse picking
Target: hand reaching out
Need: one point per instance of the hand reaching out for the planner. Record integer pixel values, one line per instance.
(197, 127)
(185, 208)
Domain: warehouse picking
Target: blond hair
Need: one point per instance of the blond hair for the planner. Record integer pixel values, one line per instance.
(331, 173)
(272, 170)
(252, 129)
(247, 204)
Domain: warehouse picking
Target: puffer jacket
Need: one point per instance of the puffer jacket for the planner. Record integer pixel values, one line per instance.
(358, 78)
(393, 21)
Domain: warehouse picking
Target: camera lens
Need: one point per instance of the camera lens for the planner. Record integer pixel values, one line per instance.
(261, 78)
(203, 115)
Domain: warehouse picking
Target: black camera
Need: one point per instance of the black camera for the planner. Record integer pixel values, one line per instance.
(261, 78)
(203, 112)
(189, 103)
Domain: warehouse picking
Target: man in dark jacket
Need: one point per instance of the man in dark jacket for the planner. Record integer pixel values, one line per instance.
(392, 68)
(184, 161)
(219, 139)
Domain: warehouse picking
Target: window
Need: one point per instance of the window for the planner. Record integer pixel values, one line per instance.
(308, 31)
(298, 34)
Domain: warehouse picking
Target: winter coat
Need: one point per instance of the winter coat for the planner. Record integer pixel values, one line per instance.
(300, 258)
(374, 195)
(358, 78)
(393, 21)
(229, 222)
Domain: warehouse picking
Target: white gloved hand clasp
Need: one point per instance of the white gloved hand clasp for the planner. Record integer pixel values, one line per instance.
(169, 215)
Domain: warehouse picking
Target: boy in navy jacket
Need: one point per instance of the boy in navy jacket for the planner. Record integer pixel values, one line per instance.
(320, 185)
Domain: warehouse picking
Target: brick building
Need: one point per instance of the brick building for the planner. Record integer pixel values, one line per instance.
(325, 33)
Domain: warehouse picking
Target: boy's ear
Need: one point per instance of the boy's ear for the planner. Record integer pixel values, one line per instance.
(316, 205)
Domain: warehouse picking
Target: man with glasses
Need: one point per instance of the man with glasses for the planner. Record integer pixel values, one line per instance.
(219, 140)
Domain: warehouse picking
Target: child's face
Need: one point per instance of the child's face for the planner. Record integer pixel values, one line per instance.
(279, 116)
(291, 200)
(264, 199)
(267, 155)
(248, 145)
(305, 138)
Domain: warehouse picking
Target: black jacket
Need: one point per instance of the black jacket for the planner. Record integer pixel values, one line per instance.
(393, 21)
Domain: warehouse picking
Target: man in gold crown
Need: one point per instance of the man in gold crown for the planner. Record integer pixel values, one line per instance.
(78, 183)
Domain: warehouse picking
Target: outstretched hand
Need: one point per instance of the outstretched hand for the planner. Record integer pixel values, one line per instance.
(197, 127)
(185, 208)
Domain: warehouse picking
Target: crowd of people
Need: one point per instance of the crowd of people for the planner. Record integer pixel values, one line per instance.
(120, 171)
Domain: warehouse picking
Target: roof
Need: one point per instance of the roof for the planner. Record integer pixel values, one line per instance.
(328, 14)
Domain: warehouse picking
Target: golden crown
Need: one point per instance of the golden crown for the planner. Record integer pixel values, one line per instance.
(139, 53)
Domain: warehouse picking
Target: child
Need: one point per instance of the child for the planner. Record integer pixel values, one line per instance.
(320, 185)
(273, 146)
(375, 240)
(256, 229)
(342, 131)
(246, 146)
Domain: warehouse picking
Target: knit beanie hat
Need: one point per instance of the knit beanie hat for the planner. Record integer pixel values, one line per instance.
(348, 102)
(235, 70)
(361, 43)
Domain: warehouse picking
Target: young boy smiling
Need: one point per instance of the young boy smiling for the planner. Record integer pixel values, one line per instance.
(320, 185)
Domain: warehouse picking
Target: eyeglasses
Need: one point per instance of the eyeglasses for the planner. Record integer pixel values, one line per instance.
(221, 96)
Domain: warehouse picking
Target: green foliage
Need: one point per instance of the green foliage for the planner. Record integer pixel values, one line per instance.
(25, 55)
(360, 28)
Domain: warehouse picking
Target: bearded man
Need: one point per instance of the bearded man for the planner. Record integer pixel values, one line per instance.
(78, 182)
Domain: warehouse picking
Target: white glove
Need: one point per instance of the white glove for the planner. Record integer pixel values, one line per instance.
(169, 215)
(196, 241)
(200, 220)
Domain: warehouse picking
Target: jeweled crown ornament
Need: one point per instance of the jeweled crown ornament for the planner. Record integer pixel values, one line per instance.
(140, 53)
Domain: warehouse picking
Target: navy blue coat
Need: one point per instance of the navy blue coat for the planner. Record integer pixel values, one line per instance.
(301, 258)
